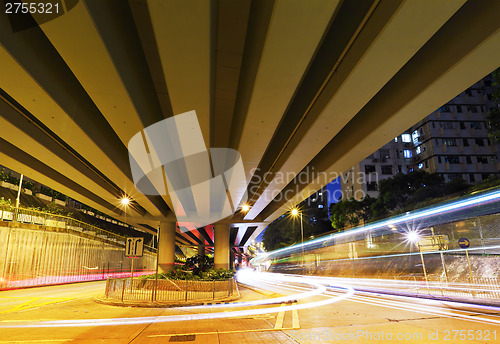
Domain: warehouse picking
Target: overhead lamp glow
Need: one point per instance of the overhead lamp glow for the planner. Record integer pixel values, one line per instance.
(412, 237)
(295, 212)
(245, 208)
(125, 201)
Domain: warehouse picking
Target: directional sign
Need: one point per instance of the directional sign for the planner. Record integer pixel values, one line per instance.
(463, 242)
(134, 247)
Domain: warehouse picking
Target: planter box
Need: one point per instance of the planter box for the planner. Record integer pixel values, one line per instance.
(58, 201)
(9, 186)
(44, 197)
(28, 192)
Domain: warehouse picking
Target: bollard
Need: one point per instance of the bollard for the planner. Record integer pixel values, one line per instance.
(186, 290)
(213, 290)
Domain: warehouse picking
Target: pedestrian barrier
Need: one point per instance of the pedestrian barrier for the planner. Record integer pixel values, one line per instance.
(140, 289)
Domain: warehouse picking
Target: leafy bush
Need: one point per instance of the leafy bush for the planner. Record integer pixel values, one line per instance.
(5, 203)
(199, 263)
(57, 195)
(28, 185)
(45, 191)
(179, 273)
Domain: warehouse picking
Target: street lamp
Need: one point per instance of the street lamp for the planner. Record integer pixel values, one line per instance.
(125, 201)
(413, 237)
(296, 212)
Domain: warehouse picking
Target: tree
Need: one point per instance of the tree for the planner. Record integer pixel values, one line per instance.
(285, 230)
(350, 212)
(404, 189)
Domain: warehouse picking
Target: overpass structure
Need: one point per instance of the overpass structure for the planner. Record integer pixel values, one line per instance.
(299, 88)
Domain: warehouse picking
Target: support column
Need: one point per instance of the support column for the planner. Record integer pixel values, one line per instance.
(221, 249)
(166, 247)
(231, 258)
(201, 250)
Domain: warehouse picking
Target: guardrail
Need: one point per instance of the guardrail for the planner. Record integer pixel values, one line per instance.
(472, 287)
(60, 222)
(164, 290)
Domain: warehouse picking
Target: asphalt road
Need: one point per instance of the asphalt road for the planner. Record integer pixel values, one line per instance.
(305, 313)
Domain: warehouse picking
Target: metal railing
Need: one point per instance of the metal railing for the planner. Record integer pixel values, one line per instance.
(475, 287)
(140, 289)
(62, 223)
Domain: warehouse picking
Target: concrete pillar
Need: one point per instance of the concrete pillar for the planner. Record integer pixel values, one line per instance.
(166, 246)
(221, 249)
(231, 259)
(201, 250)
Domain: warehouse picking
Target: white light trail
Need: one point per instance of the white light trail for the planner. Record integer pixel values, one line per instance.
(205, 316)
(390, 223)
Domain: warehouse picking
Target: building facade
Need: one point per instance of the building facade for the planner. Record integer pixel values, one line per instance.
(452, 141)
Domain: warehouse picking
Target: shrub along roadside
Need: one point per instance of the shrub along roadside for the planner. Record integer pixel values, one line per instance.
(180, 273)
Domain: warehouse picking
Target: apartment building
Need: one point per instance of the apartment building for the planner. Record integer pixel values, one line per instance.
(452, 141)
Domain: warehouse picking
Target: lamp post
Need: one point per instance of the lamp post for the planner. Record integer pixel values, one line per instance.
(296, 212)
(414, 238)
(19, 191)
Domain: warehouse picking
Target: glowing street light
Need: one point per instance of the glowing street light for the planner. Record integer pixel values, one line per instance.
(295, 212)
(413, 237)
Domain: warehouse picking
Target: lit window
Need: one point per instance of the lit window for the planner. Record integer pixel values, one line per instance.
(320, 205)
(418, 150)
(407, 153)
(415, 136)
(396, 139)
(450, 142)
(420, 165)
(406, 137)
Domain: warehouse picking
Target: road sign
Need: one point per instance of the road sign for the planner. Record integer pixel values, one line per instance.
(463, 242)
(134, 247)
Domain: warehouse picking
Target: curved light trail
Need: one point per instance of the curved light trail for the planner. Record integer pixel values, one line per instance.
(405, 303)
(282, 280)
(452, 206)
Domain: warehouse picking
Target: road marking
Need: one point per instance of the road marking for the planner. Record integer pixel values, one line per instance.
(21, 306)
(280, 318)
(30, 304)
(295, 318)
